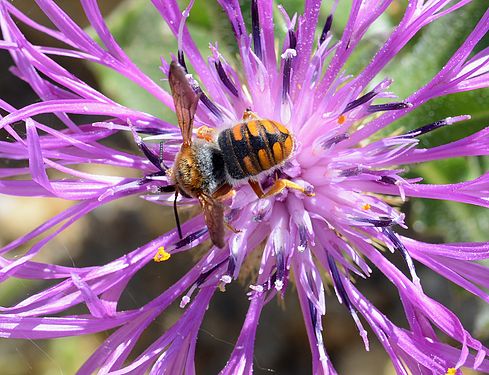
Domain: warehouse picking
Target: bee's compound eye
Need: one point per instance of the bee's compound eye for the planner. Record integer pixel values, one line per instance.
(182, 177)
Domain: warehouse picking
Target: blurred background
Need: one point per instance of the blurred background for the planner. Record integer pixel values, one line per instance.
(119, 227)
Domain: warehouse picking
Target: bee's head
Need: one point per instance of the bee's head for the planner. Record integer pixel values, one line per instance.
(186, 174)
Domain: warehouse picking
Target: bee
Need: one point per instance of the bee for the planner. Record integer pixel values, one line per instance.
(210, 164)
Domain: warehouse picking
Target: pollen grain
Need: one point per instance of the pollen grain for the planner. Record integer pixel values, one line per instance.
(162, 255)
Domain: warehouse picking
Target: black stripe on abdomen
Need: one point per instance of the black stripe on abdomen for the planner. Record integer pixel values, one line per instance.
(240, 155)
(232, 152)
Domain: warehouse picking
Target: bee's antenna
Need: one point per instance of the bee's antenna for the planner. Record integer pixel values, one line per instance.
(177, 219)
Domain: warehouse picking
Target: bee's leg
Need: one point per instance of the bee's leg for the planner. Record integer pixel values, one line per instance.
(206, 133)
(277, 187)
(249, 115)
(222, 192)
(231, 228)
(167, 189)
(255, 185)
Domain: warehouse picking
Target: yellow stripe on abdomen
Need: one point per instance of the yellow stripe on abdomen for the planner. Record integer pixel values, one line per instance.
(255, 146)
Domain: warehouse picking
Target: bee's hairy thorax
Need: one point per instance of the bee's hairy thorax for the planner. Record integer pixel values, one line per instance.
(199, 168)
(211, 165)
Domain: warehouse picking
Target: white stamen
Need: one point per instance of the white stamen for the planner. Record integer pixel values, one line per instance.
(279, 284)
(226, 279)
(257, 288)
(453, 120)
(289, 53)
(184, 302)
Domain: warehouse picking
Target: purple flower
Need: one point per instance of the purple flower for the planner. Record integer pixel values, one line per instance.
(337, 235)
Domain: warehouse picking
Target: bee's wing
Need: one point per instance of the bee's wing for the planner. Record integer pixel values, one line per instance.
(214, 219)
(185, 100)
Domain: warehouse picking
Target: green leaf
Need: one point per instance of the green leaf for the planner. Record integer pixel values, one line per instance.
(482, 318)
(421, 60)
(424, 56)
(414, 67)
(440, 221)
(142, 33)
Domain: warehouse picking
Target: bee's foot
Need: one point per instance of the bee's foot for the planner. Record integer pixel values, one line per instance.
(232, 229)
(309, 191)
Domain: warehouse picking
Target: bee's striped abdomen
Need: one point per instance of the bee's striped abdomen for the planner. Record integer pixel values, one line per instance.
(255, 146)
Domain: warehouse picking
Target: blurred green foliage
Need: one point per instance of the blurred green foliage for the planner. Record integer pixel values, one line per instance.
(414, 67)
